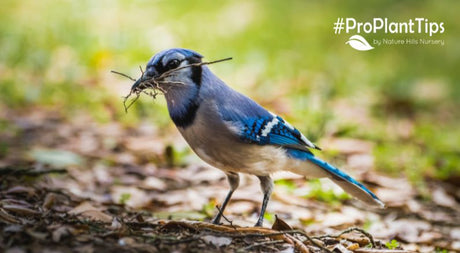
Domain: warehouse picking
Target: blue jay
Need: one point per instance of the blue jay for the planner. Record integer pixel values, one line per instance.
(235, 134)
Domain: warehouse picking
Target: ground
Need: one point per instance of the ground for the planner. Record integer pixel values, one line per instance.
(74, 185)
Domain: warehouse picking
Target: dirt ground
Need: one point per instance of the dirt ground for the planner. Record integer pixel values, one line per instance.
(74, 185)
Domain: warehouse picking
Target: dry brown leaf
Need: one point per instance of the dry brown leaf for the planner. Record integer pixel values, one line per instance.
(97, 215)
(85, 209)
(49, 201)
(19, 209)
(21, 190)
(37, 235)
(408, 230)
(280, 224)
(440, 197)
(298, 245)
(353, 246)
(360, 239)
(7, 218)
(82, 207)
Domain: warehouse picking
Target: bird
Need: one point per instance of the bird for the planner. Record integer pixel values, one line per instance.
(235, 134)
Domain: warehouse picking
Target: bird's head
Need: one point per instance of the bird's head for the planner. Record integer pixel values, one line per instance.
(169, 60)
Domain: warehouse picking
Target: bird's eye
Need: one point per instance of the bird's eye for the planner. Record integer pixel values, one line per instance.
(173, 64)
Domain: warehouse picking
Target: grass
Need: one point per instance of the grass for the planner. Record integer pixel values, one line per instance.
(57, 56)
(393, 244)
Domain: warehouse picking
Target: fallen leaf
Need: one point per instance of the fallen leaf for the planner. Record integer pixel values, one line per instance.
(353, 246)
(36, 234)
(85, 209)
(360, 239)
(339, 248)
(407, 230)
(217, 241)
(280, 225)
(97, 215)
(347, 216)
(60, 232)
(19, 209)
(7, 218)
(441, 198)
(429, 237)
(49, 201)
(153, 183)
(21, 190)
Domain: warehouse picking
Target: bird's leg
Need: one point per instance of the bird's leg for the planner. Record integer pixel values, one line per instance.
(234, 181)
(266, 183)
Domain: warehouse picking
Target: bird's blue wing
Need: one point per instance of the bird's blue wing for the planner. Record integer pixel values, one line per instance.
(268, 129)
(253, 124)
(273, 130)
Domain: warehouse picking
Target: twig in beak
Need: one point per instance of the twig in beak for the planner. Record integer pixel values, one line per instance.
(154, 83)
(166, 74)
(121, 74)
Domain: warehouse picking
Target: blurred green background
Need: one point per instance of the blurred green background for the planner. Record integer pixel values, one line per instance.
(57, 56)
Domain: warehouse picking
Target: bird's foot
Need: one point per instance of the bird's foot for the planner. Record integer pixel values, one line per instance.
(216, 220)
(259, 223)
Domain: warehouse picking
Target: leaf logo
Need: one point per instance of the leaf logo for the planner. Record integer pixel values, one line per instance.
(359, 43)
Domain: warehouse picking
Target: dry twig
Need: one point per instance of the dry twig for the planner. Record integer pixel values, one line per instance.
(225, 218)
(346, 231)
(247, 232)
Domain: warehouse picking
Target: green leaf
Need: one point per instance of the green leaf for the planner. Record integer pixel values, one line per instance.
(393, 244)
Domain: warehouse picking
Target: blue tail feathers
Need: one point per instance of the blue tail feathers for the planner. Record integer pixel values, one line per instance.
(349, 184)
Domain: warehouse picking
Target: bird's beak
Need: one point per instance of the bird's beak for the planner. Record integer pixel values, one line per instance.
(138, 82)
(148, 74)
